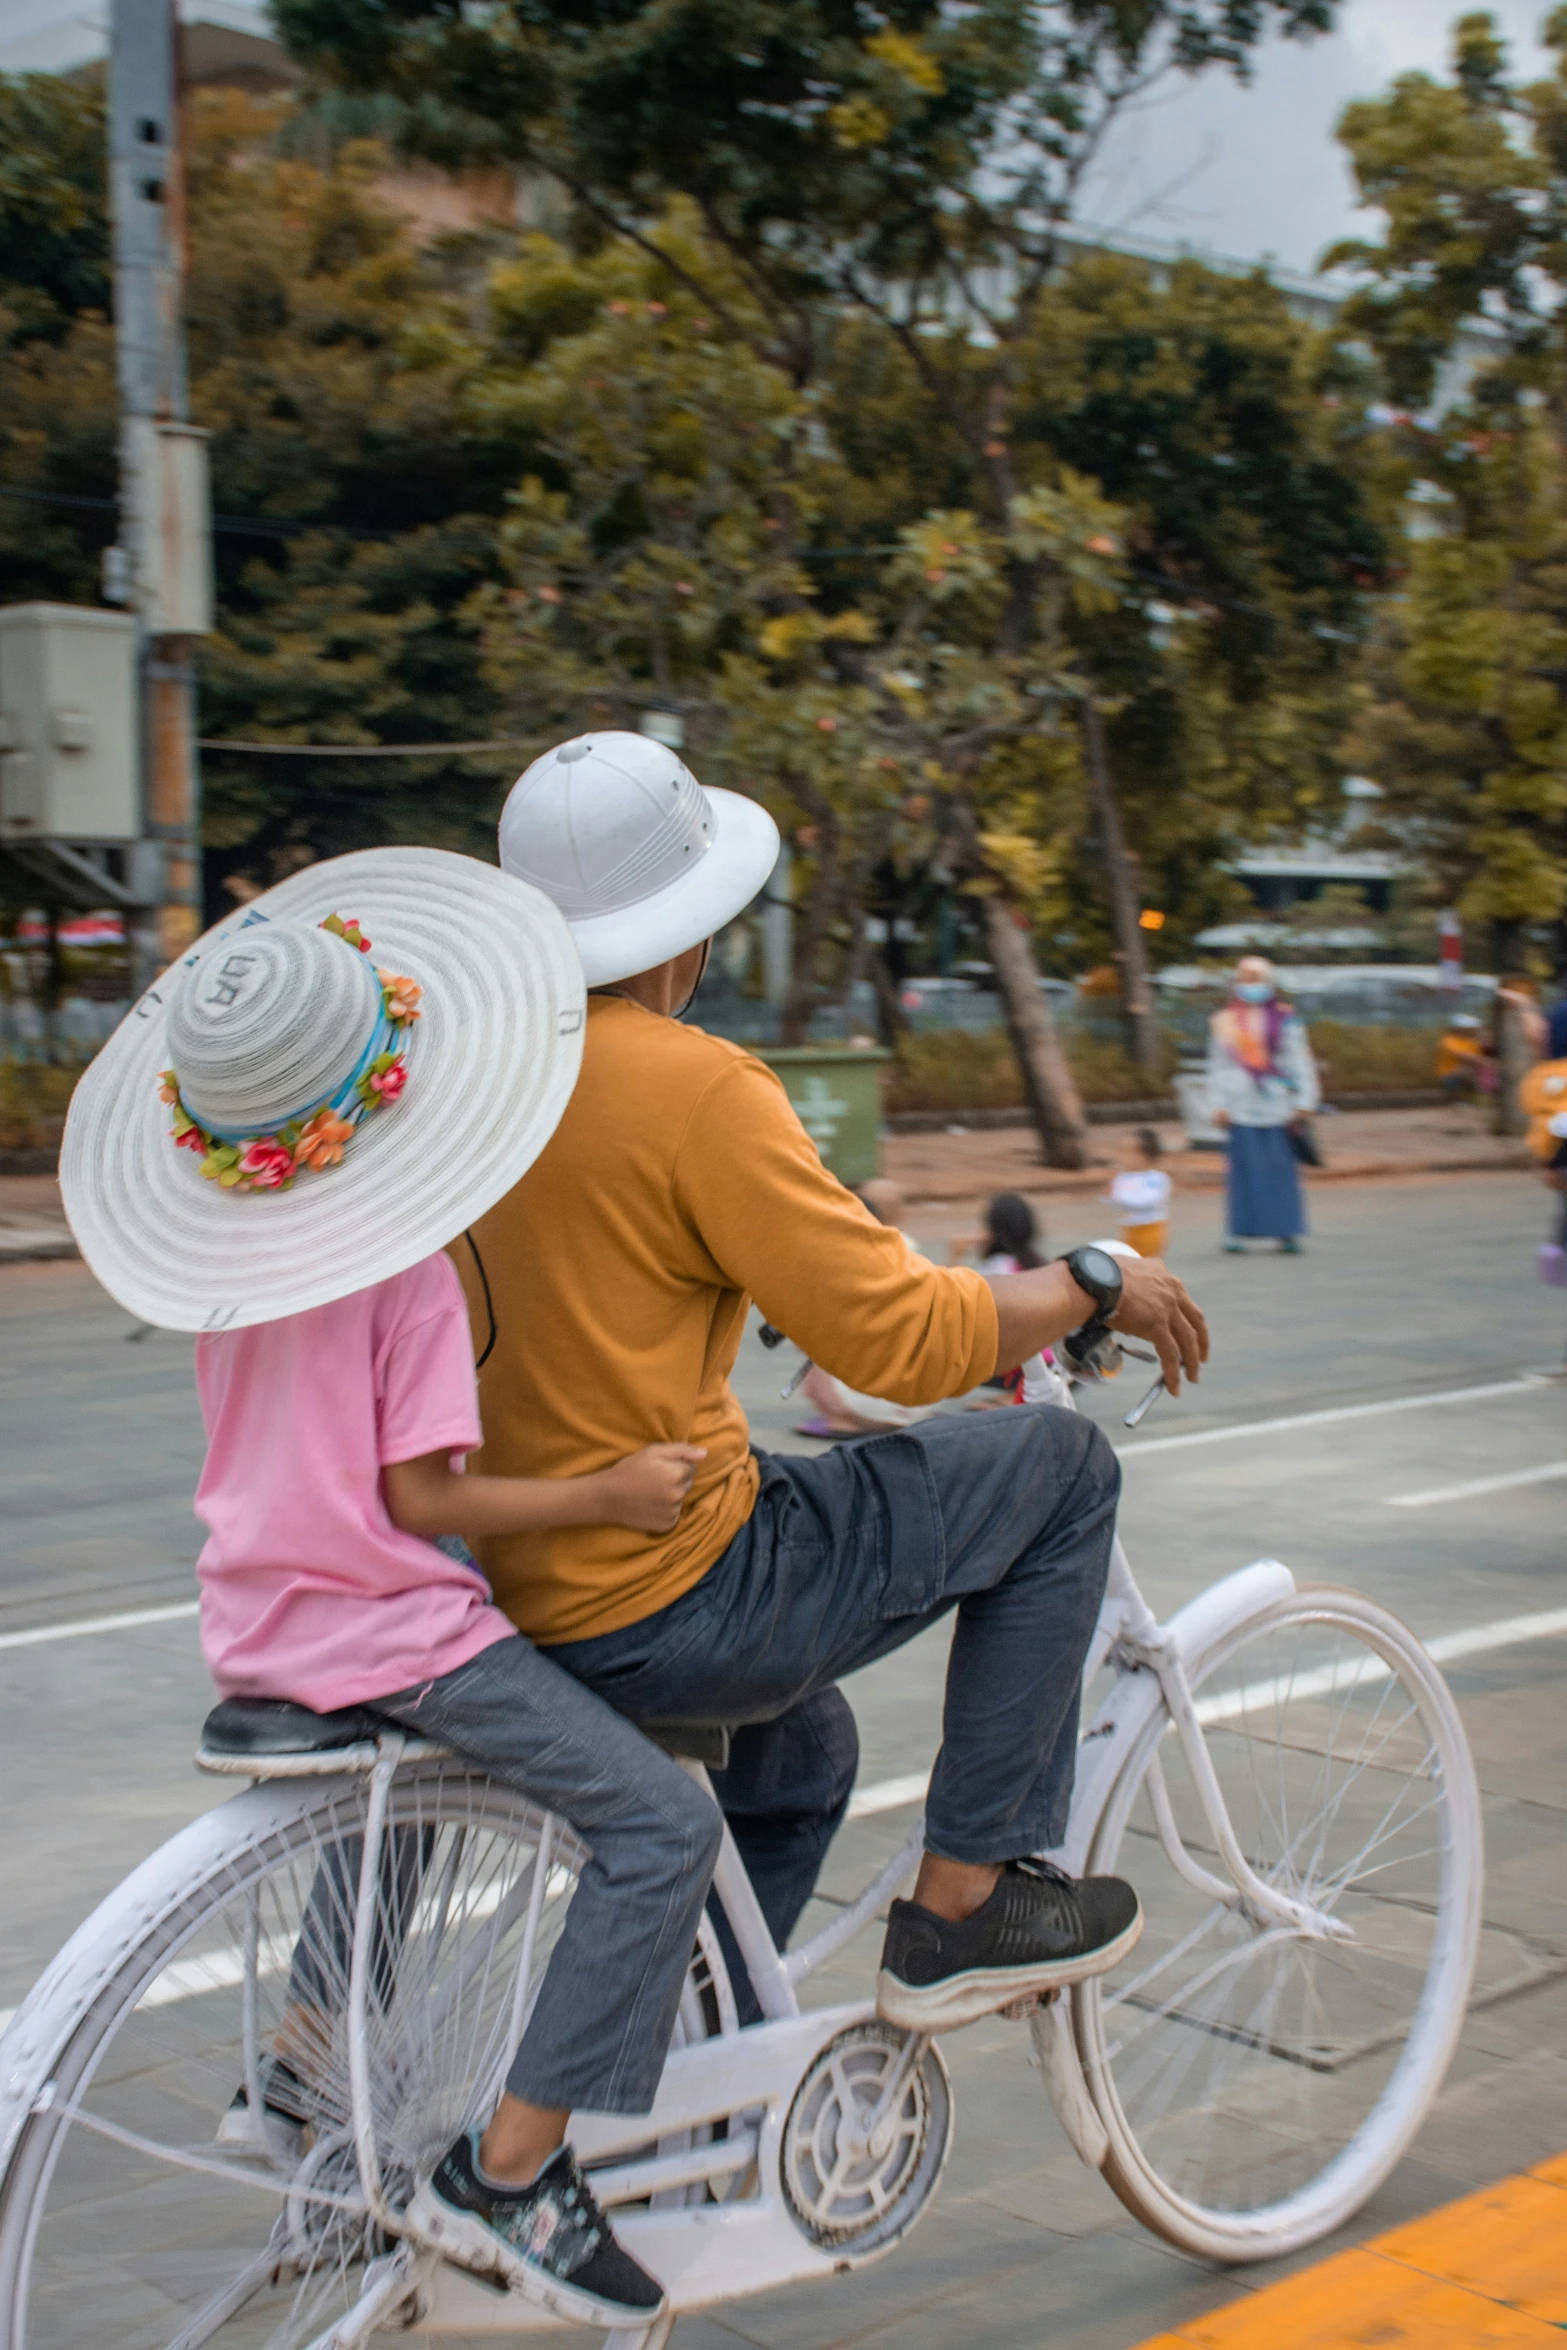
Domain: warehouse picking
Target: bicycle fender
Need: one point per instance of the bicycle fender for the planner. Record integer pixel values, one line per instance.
(1135, 1695)
(37, 2035)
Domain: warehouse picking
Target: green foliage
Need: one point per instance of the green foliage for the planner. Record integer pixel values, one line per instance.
(1352, 1058)
(1465, 720)
(875, 570)
(829, 146)
(34, 1097)
(957, 1069)
(54, 246)
(1472, 177)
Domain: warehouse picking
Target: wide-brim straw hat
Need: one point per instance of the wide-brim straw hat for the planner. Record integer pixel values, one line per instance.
(490, 1064)
(640, 858)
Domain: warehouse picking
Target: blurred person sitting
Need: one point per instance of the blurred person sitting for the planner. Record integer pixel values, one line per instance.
(1140, 1190)
(1262, 1084)
(1010, 1242)
(840, 1410)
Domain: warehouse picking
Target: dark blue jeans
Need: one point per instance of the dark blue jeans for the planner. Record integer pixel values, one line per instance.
(1005, 1516)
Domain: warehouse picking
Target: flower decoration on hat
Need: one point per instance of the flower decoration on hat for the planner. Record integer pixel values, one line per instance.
(316, 1138)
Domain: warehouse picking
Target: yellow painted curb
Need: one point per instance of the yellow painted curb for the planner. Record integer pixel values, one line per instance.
(1477, 2275)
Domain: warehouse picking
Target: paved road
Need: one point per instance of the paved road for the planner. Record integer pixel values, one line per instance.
(1418, 1290)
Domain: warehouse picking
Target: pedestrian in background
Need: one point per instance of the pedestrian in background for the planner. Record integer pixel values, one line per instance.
(1556, 1042)
(1141, 1192)
(1459, 1055)
(1262, 1088)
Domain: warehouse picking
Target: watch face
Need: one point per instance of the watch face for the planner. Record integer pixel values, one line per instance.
(1100, 1267)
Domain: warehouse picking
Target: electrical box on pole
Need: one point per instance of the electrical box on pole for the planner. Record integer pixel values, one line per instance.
(68, 766)
(169, 530)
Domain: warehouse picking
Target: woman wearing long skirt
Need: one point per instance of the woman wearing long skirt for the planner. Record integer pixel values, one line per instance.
(1262, 1081)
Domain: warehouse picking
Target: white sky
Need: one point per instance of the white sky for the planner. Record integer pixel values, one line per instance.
(1257, 171)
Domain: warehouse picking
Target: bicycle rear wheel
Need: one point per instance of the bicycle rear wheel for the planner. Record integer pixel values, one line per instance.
(124, 2225)
(1256, 2085)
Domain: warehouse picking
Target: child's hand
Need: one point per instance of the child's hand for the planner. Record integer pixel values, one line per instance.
(647, 1490)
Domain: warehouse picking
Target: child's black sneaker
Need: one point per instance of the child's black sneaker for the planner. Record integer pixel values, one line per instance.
(1039, 1930)
(548, 2240)
(278, 2131)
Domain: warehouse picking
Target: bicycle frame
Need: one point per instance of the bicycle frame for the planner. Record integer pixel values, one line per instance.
(746, 2081)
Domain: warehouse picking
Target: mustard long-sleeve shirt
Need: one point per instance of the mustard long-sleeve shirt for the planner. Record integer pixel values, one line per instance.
(678, 1186)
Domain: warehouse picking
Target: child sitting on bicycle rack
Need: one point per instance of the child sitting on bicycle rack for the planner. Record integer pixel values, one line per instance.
(273, 1150)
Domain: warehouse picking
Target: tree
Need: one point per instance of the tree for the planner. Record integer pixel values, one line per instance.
(913, 170)
(1465, 718)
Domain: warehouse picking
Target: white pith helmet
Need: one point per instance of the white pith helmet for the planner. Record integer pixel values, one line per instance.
(640, 859)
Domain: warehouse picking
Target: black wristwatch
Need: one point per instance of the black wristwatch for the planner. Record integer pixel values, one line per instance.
(1098, 1274)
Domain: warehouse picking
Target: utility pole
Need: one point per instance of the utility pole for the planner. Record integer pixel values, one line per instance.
(164, 562)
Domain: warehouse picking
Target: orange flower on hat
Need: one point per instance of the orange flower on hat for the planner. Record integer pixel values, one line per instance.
(321, 1144)
(400, 994)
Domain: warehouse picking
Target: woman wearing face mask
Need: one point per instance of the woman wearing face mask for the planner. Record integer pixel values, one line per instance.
(1262, 1081)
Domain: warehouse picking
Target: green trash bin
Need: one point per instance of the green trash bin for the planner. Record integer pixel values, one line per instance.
(836, 1091)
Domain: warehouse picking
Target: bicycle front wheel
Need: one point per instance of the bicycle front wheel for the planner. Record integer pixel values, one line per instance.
(128, 2219)
(1257, 2085)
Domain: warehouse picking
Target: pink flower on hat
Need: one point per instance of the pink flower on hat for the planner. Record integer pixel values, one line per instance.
(389, 1083)
(266, 1164)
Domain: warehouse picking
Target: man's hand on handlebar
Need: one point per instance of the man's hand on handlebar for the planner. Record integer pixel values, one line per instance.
(1154, 1305)
(648, 1489)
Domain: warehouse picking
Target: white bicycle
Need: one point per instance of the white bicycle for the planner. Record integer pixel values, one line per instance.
(1280, 1771)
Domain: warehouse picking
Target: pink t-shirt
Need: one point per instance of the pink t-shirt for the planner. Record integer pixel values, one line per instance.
(308, 1590)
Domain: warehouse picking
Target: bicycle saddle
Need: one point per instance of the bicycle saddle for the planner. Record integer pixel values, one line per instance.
(271, 1725)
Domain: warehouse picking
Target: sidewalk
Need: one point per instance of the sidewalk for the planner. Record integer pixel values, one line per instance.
(1491, 2270)
(1359, 1146)
(966, 1168)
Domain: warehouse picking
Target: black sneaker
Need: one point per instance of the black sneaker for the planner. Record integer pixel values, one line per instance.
(1040, 1929)
(278, 2131)
(548, 2240)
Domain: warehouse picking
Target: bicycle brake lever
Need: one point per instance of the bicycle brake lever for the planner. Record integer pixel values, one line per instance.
(786, 1392)
(1141, 1409)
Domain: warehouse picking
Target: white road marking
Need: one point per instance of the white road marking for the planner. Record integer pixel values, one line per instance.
(1349, 1411)
(42, 1633)
(1232, 1431)
(1476, 1485)
(888, 1795)
(1446, 1648)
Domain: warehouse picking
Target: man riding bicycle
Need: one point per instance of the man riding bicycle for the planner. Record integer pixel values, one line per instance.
(611, 1288)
